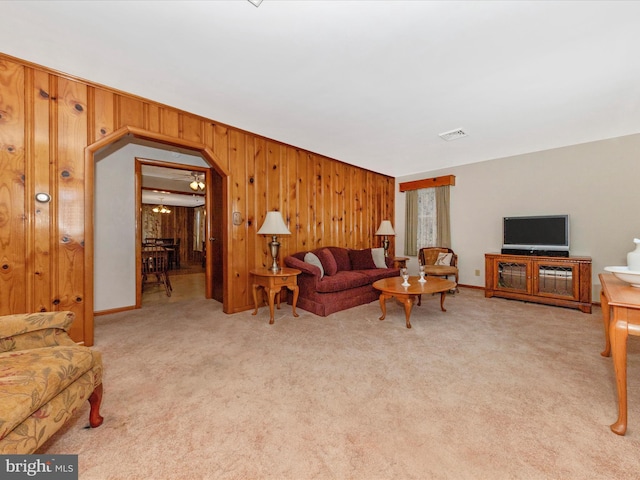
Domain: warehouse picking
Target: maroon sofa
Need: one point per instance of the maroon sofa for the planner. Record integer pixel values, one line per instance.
(344, 281)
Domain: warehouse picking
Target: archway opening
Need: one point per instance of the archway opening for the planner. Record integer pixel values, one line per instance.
(216, 286)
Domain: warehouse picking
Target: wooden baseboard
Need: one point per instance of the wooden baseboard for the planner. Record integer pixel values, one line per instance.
(595, 304)
(113, 310)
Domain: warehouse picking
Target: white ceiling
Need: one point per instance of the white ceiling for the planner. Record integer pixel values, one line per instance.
(170, 186)
(371, 83)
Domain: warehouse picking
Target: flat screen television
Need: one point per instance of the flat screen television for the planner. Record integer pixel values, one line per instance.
(546, 233)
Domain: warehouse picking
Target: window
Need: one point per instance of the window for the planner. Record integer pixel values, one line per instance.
(427, 222)
(427, 227)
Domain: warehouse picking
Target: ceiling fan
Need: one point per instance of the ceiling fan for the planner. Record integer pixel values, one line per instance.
(198, 181)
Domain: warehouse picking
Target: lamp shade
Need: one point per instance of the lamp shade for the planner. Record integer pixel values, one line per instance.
(274, 225)
(385, 228)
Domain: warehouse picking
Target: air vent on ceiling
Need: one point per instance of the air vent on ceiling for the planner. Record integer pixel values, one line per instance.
(453, 134)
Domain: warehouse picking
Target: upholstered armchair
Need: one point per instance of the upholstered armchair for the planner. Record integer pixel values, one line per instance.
(439, 262)
(45, 377)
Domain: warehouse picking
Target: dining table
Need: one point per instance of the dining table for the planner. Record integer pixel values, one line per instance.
(170, 246)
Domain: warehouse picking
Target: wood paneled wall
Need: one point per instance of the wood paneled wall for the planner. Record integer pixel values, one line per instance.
(47, 119)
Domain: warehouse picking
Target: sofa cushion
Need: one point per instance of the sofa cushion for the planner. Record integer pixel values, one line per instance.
(344, 280)
(328, 261)
(378, 257)
(30, 378)
(379, 273)
(361, 259)
(312, 259)
(342, 258)
(24, 331)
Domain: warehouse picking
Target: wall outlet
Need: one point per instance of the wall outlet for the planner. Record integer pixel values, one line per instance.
(477, 273)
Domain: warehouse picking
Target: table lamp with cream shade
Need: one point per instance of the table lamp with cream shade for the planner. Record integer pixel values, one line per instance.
(274, 225)
(385, 229)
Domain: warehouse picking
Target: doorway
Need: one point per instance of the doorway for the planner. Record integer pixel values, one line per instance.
(172, 223)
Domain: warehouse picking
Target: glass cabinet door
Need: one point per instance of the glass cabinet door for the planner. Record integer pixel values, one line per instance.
(556, 280)
(512, 276)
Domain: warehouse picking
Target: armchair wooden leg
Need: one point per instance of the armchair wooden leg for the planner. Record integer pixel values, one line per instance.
(95, 399)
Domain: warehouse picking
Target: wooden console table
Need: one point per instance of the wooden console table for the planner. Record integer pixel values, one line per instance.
(623, 301)
(560, 281)
(272, 282)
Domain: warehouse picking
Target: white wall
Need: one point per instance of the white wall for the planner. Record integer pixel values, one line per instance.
(596, 183)
(114, 218)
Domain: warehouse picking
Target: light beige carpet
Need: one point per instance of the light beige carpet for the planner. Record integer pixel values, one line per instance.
(491, 389)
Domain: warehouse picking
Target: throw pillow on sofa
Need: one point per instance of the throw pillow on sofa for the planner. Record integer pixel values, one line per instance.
(378, 257)
(361, 259)
(328, 261)
(312, 259)
(342, 258)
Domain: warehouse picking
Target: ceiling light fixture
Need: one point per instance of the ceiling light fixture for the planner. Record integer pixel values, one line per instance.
(160, 208)
(255, 3)
(197, 183)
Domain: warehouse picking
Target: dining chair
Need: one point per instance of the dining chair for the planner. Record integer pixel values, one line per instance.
(155, 261)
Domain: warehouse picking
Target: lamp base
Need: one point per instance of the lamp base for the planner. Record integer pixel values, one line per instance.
(274, 245)
(385, 245)
(275, 268)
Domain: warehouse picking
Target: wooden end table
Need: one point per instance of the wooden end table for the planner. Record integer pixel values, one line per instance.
(399, 262)
(392, 287)
(623, 301)
(272, 282)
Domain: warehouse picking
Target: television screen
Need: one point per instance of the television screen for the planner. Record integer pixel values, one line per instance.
(549, 232)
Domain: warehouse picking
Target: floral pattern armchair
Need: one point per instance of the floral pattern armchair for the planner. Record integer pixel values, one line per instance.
(44, 378)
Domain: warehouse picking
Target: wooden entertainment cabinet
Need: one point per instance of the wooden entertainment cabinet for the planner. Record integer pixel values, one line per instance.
(559, 281)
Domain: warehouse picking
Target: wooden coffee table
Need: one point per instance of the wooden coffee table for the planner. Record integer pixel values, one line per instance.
(392, 288)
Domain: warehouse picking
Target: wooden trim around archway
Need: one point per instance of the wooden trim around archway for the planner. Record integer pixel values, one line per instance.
(209, 157)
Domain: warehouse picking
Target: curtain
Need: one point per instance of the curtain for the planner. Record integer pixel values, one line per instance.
(198, 228)
(411, 226)
(443, 218)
